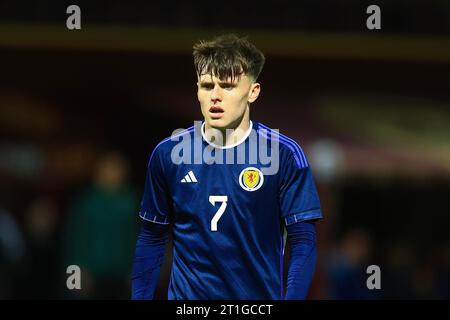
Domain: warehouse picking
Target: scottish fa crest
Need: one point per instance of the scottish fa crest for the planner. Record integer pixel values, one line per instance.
(251, 179)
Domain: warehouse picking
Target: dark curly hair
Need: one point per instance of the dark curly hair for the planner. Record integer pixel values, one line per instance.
(228, 56)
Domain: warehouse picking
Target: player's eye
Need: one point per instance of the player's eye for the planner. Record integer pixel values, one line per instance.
(227, 86)
(207, 86)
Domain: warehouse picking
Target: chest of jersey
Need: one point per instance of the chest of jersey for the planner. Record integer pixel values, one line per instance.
(222, 196)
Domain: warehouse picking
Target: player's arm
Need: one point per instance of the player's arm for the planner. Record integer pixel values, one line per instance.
(152, 239)
(149, 256)
(302, 263)
(300, 207)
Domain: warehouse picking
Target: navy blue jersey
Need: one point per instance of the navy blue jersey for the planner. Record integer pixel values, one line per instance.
(228, 208)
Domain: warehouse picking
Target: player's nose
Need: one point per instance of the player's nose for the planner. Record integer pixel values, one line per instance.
(216, 93)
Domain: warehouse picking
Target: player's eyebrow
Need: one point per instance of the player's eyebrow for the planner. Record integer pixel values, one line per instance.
(221, 83)
(227, 83)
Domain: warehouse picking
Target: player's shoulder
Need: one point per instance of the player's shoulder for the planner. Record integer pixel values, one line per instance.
(165, 146)
(288, 146)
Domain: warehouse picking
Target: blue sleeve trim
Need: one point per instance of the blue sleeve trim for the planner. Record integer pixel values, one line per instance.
(303, 216)
(159, 219)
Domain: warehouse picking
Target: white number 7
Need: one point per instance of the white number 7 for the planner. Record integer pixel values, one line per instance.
(215, 219)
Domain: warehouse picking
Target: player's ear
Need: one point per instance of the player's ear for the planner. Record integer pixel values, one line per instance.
(255, 89)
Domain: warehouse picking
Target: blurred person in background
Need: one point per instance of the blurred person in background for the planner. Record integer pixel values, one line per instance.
(425, 282)
(12, 250)
(347, 264)
(397, 277)
(40, 273)
(443, 270)
(101, 231)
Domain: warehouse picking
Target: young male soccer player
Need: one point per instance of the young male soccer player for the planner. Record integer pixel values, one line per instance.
(226, 206)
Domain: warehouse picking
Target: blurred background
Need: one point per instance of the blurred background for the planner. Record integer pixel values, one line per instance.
(81, 111)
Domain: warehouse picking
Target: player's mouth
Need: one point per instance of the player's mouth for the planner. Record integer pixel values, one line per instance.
(216, 112)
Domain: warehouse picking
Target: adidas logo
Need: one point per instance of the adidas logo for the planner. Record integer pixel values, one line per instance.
(189, 178)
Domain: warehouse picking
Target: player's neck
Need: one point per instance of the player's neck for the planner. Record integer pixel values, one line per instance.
(233, 133)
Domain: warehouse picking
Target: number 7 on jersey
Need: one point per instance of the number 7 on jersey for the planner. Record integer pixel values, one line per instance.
(215, 219)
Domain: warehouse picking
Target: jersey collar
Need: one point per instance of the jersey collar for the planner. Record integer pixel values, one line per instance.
(230, 146)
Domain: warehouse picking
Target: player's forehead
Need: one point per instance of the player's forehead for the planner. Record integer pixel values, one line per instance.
(212, 78)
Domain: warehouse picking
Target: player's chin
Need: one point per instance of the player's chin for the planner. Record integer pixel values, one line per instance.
(219, 123)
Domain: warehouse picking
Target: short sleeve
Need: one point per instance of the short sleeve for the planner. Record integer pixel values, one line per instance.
(299, 200)
(155, 204)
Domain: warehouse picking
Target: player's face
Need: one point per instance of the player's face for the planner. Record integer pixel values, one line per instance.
(225, 103)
